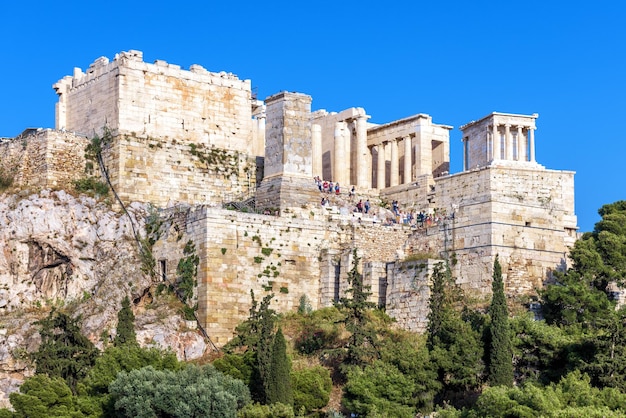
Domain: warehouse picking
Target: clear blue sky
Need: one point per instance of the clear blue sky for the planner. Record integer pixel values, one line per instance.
(455, 60)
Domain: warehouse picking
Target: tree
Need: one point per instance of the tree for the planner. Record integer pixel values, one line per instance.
(582, 295)
(279, 381)
(500, 353)
(379, 387)
(256, 334)
(455, 346)
(125, 332)
(311, 388)
(43, 396)
(362, 341)
(64, 352)
(191, 392)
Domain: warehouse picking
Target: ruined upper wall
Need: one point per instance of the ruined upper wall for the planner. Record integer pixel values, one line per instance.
(43, 158)
(157, 100)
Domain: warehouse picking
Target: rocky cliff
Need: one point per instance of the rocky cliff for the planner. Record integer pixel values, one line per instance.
(78, 253)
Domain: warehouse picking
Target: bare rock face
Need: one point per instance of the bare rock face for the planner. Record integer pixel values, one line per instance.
(76, 252)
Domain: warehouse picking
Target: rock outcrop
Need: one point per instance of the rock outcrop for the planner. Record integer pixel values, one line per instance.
(79, 253)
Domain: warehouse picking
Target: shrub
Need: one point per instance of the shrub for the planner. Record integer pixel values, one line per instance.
(91, 185)
(311, 388)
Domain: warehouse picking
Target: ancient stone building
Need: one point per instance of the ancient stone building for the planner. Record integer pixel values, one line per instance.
(188, 141)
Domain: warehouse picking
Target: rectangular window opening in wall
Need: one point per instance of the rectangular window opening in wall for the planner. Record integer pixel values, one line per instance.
(337, 282)
(163, 269)
(527, 223)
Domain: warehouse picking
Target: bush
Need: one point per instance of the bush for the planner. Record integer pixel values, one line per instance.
(256, 410)
(91, 185)
(311, 388)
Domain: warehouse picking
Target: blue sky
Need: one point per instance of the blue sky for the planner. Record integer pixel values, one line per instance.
(455, 60)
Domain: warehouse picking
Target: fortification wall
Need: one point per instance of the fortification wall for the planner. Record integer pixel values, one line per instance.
(524, 215)
(166, 171)
(409, 293)
(44, 159)
(158, 100)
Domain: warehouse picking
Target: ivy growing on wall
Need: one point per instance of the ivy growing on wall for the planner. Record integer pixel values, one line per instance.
(187, 272)
(216, 159)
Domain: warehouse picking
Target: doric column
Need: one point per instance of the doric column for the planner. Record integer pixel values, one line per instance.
(380, 166)
(316, 145)
(339, 157)
(508, 142)
(520, 140)
(531, 135)
(408, 162)
(496, 142)
(362, 154)
(394, 169)
(465, 164)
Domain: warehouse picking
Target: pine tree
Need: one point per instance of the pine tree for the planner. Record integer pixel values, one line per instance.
(501, 352)
(125, 333)
(64, 352)
(362, 341)
(279, 382)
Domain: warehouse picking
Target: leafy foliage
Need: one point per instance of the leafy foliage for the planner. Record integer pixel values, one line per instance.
(64, 352)
(91, 185)
(41, 397)
(379, 387)
(187, 271)
(500, 353)
(192, 391)
(276, 410)
(455, 346)
(311, 388)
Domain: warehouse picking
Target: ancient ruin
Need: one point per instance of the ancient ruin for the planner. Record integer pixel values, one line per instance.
(235, 176)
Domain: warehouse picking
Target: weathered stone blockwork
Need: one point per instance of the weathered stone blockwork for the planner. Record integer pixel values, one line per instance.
(168, 171)
(44, 158)
(157, 100)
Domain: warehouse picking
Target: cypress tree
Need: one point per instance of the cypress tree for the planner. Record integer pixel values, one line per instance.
(501, 352)
(279, 382)
(125, 332)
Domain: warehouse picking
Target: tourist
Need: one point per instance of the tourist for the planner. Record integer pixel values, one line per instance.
(359, 206)
(367, 206)
(337, 188)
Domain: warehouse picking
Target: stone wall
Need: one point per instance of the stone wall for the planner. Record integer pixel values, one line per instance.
(44, 158)
(158, 100)
(167, 171)
(409, 293)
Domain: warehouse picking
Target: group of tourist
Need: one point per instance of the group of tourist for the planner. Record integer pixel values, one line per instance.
(327, 186)
(363, 207)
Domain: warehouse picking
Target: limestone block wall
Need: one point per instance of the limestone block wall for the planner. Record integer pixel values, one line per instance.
(158, 100)
(244, 252)
(525, 215)
(408, 293)
(44, 158)
(166, 171)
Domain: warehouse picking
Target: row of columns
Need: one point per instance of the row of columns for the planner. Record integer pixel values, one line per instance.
(508, 143)
(341, 162)
(394, 174)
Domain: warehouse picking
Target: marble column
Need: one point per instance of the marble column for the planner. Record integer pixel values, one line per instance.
(394, 174)
(531, 139)
(465, 152)
(408, 162)
(508, 147)
(496, 143)
(520, 148)
(339, 157)
(363, 157)
(316, 148)
(380, 167)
